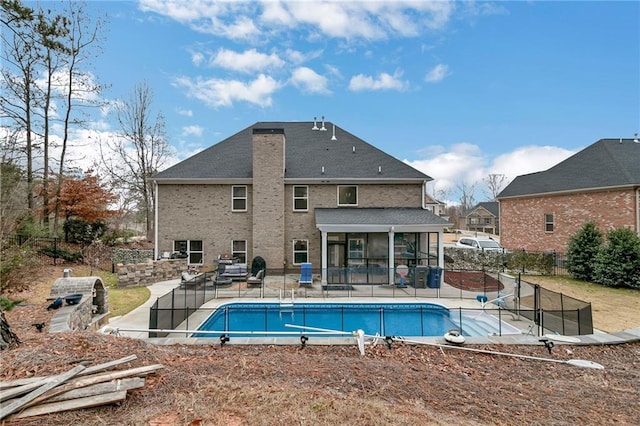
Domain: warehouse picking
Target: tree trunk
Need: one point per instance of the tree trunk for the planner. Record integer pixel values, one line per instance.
(8, 338)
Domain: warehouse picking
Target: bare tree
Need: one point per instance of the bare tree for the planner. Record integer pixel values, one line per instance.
(494, 182)
(138, 151)
(38, 46)
(20, 58)
(78, 88)
(467, 198)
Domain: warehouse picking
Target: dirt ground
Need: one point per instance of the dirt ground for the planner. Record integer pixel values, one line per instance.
(327, 385)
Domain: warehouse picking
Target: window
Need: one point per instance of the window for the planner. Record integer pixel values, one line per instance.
(347, 195)
(239, 198)
(356, 248)
(548, 222)
(191, 249)
(239, 250)
(473, 221)
(300, 251)
(301, 198)
(487, 221)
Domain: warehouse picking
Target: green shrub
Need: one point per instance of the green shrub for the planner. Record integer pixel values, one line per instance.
(81, 232)
(61, 253)
(520, 260)
(582, 250)
(7, 304)
(617, 264)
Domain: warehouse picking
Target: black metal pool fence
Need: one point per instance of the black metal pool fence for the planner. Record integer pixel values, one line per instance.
(547, 310)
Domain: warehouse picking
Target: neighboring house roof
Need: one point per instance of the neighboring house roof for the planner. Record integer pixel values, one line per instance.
(606, 163)
(377, 216)
(491, 206)
(307, 151)
(429, 200)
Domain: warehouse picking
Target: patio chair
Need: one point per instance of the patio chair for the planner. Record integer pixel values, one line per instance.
(256, 280)
(305, 274)
(192, 281)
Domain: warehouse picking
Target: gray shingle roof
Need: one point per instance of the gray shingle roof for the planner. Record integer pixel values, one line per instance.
(491, 206)
(606, 163)
(307, 151)
(377, 216)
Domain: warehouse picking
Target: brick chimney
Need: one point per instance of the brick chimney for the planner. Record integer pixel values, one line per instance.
(268, 196)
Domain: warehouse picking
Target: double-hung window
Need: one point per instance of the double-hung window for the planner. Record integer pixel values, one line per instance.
(548, 222)
(300, 198)
(239, 198)
(239, 250)
(300, 251)
(347, 195)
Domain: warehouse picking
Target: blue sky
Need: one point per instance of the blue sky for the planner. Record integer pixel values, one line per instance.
(458, 90)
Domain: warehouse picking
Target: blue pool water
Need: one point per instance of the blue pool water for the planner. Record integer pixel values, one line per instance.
(415, 319)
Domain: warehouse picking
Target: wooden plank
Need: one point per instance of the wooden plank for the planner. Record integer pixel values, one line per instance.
(21, 390)
(17, 405)
(82, 382)
(73, 404)
(87, 371)
(108, 365)
(100, 388)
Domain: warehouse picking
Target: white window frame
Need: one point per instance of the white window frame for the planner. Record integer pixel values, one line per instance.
(234, 198)
(235, 252)
(190, 251)
(550, 223)
(305, 251)
(297, 198)
(347, 186)
(355, 253)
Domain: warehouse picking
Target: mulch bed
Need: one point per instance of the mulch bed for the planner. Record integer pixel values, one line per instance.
(472, 281)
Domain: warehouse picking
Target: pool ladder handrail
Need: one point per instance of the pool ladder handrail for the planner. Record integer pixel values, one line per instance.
(286, 305)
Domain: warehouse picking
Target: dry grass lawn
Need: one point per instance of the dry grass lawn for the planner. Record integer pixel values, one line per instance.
(613, 309)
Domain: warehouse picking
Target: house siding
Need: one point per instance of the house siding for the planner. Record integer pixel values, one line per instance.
(523, 222)
(203, 212)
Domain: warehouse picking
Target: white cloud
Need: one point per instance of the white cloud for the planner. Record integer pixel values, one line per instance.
(197, 58)
(309, 81)
(185, 112)
(383, 81)
(528, 159)
(370, 20)
(248, 61)
(437, 73)
(192, 131)
(297, 57)
(219, 92)
(466, 163)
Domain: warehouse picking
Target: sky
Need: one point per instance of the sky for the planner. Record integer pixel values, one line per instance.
(458, 90)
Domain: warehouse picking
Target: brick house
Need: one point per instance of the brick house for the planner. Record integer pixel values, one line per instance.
(297, 192)
(540, 211)
(483, 217)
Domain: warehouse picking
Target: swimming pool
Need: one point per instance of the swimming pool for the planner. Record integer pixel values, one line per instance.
(384, 319)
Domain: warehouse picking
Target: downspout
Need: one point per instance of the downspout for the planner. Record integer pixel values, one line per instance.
(638, 211)
(424, 193)
(155, 220)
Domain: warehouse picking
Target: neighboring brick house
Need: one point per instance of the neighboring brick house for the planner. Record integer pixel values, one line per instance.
(601, 183)
(295, 192)
(483, 217)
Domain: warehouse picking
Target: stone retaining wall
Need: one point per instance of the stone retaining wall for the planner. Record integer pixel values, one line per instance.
(150, 272)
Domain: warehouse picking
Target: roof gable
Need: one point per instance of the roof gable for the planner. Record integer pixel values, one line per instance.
(492, 207)
(606, 163)
(309, 154)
